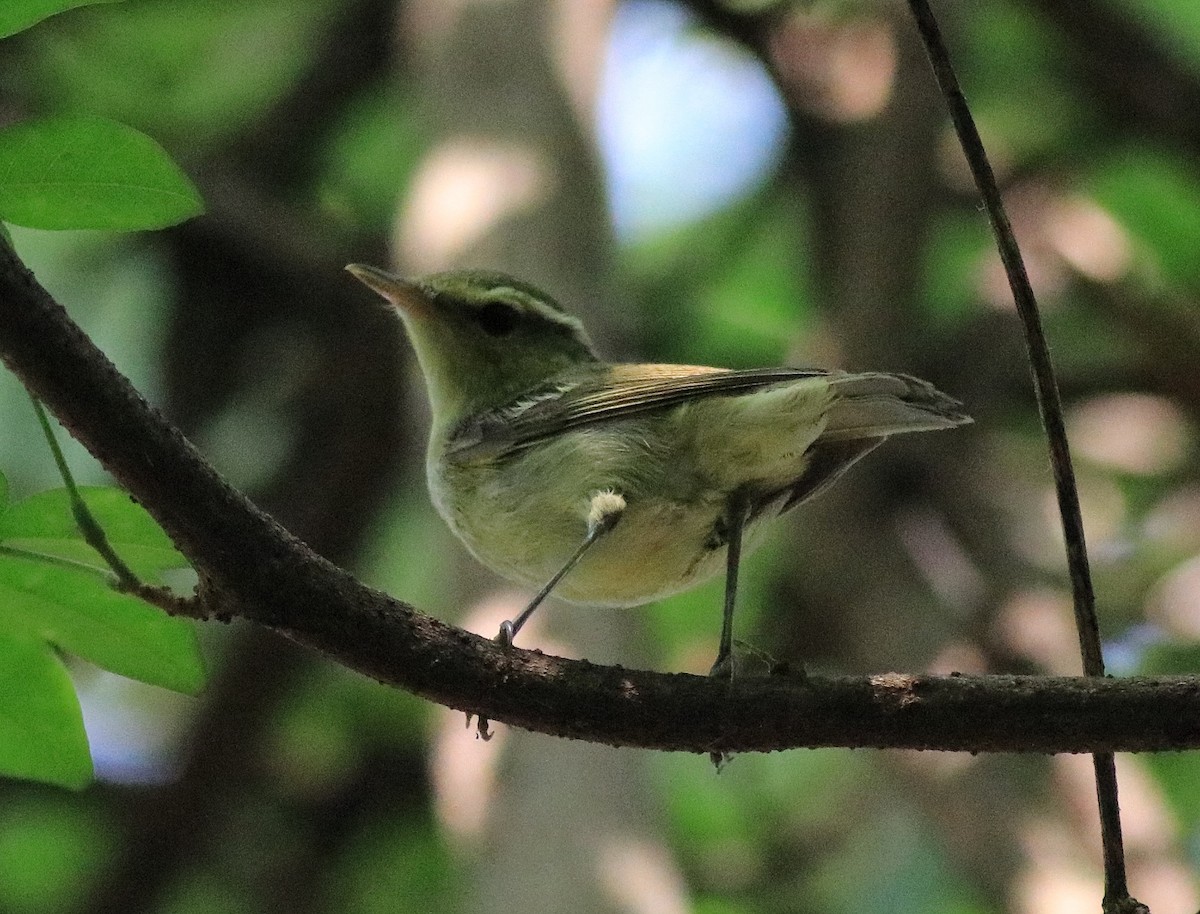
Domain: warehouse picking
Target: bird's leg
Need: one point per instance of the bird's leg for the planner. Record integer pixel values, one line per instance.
(604, 512)
(606, 509)
(736, 513)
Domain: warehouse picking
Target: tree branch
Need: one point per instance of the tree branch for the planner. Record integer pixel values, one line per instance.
(251, 567)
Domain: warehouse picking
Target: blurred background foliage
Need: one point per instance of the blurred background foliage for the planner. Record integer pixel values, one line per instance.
(736, 183)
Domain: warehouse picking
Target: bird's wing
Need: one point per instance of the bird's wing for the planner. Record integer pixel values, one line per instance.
(603, 395)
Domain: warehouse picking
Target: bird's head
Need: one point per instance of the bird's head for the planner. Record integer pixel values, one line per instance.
(481, 337)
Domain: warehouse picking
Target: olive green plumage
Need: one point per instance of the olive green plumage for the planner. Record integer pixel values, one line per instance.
(532, 432)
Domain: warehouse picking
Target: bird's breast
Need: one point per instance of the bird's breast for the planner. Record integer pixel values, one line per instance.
(525, 517)
(657, 548)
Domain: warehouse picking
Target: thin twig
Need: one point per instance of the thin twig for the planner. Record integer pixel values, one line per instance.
(1116, 892)
(89, 527)
(124, 577)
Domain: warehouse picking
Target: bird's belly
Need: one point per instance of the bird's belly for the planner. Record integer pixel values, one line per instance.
(665, 541)
(657, 548)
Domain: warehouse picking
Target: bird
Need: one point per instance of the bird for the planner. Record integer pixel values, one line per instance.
(617, 484)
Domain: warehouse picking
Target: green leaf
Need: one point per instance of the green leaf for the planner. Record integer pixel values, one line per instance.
(1175, 774)
(1156, 196)
(78, 611)
(43, 523)
(57, 593)
(18, 15)
(84, 172)
(203, 85)
(41, 726)
(54, 586)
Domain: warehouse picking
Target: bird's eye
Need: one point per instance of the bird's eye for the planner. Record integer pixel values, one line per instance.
(497, 319)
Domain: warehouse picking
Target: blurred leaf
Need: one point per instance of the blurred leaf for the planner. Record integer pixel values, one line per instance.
(1012, 64)
(1170, 658)
(1177, 774)
(1176, 24)
(733, 289)
(392, 858)
(83, 172)
(17, 15)
(757, 305)
(52, 849)
(410, 549)
(41, 726)
(957, 246)
(1087, 344)
(894, 867)
(369, 158)
(1156, 197)
(729, 828)
(334, 719)
(717, 905)
(212, 66)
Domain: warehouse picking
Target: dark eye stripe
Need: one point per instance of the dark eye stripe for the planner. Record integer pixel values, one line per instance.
(497, 319)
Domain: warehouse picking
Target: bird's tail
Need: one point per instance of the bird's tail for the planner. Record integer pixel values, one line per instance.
(875, 405)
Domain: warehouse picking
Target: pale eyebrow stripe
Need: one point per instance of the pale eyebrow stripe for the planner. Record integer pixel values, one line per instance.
(507, 294)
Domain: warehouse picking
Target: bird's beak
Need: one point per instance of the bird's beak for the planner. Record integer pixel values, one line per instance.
(408, 296)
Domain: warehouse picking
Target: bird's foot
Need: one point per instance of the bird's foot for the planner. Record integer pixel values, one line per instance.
(504, 637)
(482, 727)
(742, 660)
(722, 668)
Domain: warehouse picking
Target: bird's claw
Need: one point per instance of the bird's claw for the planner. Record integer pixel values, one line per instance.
(482, 728)
(505, 636)
(722, 668)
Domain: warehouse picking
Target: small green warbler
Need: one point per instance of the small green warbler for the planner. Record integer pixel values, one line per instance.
(617, 484)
